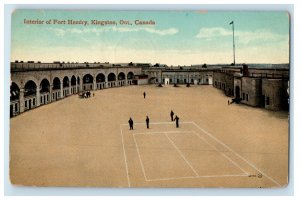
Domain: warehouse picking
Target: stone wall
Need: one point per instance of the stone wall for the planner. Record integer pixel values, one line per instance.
(237, 87)
(20, 76)
(224, 81)
(251, 91)
(183, 77)
(275, 94)
(142, 81)
(259, 87)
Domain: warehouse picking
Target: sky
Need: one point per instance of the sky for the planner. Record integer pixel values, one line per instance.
(177, 38)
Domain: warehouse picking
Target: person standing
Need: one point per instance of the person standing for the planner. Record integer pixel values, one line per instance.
(177, 121)
(130, 124)
(144, 95)
(147, 121)
(172, 115)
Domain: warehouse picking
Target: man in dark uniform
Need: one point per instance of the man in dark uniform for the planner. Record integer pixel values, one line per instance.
(177, 121)
(172, 115)
(147, 121)
(144, 95)
(130, 124)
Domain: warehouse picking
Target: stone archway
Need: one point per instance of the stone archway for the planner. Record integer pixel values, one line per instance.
(14, 99)
(73, 85)
(30, 94)
(66, 86)
(111, 79)
(56, 89)
(88, 82)
(100, 81)
(130, 77)
(121, 79)
(44, 91)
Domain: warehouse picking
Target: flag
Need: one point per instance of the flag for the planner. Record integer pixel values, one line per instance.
(231, 22)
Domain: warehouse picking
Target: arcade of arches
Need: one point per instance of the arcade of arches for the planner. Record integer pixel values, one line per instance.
(34, 94)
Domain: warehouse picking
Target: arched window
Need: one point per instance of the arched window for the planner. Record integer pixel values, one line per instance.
(130, 75)
(45, 86)
(111, 77)
(66, 82)
(56, 83)
(30, 88)
(73, 81)
(100, 78)
(14, 91)
(121, 76)
(88, 78)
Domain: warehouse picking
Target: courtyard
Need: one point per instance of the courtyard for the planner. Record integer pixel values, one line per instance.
(87, 142)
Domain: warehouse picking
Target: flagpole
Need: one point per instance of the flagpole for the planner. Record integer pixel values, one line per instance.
(233, 42)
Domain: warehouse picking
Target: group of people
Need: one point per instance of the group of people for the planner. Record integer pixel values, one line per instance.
(86, 94)
(176, 119)
(130, 122)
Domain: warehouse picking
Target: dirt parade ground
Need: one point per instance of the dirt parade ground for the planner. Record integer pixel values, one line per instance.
(87, 142)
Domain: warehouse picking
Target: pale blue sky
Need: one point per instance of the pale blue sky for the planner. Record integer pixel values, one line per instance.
(177, 38)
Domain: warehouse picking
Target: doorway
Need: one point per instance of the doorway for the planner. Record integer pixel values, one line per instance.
(11, 110)
(237, 92)
(29, 104)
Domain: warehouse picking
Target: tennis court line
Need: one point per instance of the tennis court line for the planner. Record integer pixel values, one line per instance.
(138, 151)
(195, 177)
(229, 159)
(125, 158)
(161, 132)
(238, 155)
(211, 136)
(181, 154)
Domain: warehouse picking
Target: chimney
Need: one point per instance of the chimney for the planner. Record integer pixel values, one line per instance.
(245, 70)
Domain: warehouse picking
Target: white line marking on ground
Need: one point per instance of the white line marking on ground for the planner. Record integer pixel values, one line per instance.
(249, 163)
(229, 159)
(161, 132)
(125, 159)
(234, 163)
(172, 178)
(181, 154)
(194, 177)
(138, 151)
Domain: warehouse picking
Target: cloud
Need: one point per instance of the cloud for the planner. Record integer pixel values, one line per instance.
(59, 32)
(208, 33)
(170, 31)
(243, 37)
(62, 32)
(261, 35)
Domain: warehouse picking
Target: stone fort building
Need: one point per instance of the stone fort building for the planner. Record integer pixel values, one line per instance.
(34, 84)
(264, 86)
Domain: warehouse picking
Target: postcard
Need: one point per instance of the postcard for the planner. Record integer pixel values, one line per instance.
(143, 99)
